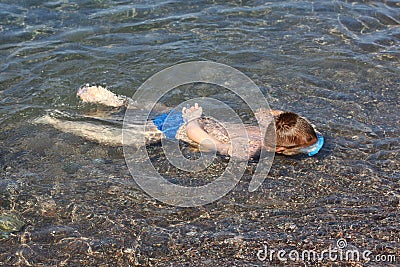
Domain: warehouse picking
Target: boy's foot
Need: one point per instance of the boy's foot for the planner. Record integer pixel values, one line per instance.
(192, 113)
(100, 95)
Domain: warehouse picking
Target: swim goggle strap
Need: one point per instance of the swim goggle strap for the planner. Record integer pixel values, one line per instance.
(314, 149)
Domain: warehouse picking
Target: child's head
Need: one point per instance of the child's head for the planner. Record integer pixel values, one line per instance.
(293, 133)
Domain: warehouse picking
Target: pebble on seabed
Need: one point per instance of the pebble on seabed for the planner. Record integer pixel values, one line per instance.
(8, 224)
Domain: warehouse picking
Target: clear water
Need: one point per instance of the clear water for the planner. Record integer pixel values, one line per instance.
(335, 62)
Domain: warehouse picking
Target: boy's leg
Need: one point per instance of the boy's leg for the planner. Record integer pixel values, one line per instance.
(105, 134)
(100, 95)
(108, 134)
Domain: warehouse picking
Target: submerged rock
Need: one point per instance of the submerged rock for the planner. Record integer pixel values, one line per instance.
(8, 224)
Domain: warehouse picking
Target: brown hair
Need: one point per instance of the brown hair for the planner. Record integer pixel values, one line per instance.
(293, 131)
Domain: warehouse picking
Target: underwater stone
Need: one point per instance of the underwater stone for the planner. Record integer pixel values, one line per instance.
(9, 224)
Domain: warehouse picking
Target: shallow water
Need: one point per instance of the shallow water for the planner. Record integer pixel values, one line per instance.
(335, 62)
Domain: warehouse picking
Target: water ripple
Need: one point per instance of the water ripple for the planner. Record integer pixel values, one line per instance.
(335, 62)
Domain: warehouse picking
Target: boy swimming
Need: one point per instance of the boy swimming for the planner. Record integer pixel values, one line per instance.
(294, 134)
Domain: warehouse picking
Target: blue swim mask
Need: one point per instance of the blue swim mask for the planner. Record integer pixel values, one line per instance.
(314, 149)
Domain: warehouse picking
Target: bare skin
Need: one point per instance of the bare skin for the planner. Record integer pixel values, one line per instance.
(197, 134)
(206, 141)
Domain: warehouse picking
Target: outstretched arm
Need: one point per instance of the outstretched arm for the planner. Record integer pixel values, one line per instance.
(196, 133)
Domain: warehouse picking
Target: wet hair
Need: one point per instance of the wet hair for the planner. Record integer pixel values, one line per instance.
(293, 132)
